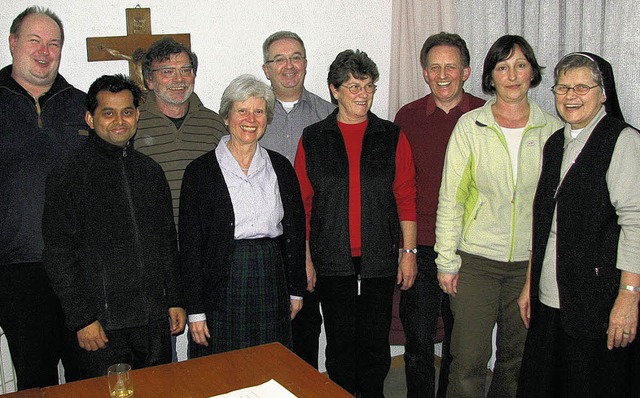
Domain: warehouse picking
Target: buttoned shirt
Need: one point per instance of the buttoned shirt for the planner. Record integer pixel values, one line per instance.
(255, 196)
(284, 131)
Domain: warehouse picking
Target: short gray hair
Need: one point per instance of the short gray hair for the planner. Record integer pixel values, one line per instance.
(242, 88)
(283, 34)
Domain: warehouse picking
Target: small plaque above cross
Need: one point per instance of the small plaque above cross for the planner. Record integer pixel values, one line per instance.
(138, 37)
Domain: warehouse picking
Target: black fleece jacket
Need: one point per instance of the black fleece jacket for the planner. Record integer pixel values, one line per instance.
(110, 240)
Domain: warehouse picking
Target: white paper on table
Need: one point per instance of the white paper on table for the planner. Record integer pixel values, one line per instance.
(270, 389)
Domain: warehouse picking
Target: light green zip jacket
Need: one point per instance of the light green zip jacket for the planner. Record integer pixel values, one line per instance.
(481, 209)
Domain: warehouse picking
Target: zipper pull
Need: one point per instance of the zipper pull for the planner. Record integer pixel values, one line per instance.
(124, 152)
(39, 112)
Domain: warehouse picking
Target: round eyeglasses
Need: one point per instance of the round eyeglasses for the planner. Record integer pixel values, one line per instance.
(580, 89)
(369, 88)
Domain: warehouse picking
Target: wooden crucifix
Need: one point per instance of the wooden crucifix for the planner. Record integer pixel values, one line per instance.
(132, 46)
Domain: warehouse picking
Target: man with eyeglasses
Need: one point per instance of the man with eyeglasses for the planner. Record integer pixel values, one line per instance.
(174, 127)
(285, 65)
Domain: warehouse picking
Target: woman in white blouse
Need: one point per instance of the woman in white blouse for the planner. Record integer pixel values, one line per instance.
(242, 233)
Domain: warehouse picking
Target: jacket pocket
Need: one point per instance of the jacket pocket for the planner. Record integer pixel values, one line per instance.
(469, 222)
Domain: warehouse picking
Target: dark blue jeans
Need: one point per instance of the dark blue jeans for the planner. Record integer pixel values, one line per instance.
(357, 327)
(419, 310)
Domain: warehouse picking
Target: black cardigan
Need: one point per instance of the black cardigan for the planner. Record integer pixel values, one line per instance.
(207, 224)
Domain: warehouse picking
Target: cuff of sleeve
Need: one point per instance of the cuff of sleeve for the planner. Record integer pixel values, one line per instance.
(298, 298)
(197, 317)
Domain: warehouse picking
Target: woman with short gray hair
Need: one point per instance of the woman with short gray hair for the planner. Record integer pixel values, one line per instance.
(242, 232)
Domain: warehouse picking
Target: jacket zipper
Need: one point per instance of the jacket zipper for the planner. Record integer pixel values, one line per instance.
(136, 229)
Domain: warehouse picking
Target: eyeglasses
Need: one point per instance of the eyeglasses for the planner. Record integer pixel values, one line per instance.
(185, 71)
(369, 88)
(580, 89)
(281, 60)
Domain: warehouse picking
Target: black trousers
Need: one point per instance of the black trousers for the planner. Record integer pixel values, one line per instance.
(140, 347)
(558, 365)
(357, 328)
(32, 320)
(419, 310)
(305, 328)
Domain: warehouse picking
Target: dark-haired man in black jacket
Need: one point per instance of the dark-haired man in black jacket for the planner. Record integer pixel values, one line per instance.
(110, 240)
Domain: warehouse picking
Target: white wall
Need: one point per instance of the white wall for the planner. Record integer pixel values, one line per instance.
(227, 36)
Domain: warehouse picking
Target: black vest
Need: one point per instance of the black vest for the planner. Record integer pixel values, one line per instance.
(587, 230)
(328, 170)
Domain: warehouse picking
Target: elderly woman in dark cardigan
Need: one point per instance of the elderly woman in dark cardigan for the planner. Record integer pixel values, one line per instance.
(242, 232)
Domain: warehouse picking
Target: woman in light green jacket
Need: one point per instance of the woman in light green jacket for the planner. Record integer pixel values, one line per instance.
(483, 223)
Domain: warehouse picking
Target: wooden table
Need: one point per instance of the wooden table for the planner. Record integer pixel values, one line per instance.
(208, 376)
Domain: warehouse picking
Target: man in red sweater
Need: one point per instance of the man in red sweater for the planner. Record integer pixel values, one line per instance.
(428, 123)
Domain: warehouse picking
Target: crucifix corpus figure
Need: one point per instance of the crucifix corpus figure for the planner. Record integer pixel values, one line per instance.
(131, 47)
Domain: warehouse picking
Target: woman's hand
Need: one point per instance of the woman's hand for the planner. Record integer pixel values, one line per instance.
(448, 283)
(524, 302)
(311, 271)
(407, 271)
(200, 332)
(623, 320)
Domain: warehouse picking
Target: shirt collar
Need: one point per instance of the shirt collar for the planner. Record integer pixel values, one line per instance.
(586, 132)
(463, 104)
(229, 163)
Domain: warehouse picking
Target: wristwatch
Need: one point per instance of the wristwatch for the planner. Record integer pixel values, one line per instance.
(414, 250)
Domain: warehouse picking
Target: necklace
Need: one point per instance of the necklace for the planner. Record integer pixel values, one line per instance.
(247, 169)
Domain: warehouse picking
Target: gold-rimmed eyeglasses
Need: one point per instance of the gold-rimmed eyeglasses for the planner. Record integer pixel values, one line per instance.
(580, 89)
(369, 88)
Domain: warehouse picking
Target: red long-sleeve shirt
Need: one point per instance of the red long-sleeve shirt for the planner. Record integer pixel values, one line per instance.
(404, 184)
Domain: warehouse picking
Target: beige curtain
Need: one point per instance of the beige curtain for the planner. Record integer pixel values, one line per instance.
(553, 28)
(412, 22)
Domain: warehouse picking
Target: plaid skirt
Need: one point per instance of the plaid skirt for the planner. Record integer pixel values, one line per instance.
(256, 308)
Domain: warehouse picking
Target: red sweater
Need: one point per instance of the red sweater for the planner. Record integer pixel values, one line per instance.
(428, 129)
(404, 185)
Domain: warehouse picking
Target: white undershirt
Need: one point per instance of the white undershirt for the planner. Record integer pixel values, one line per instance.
(513, 138)
(288, 106)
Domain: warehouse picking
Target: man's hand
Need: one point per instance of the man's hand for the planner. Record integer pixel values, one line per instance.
(407, 271)
(177, 319)
(296, 306)
(200, 332)
(92, 337)
(448, 283)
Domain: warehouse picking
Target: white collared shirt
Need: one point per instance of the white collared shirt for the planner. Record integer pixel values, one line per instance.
(255, 196)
